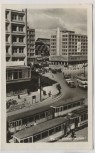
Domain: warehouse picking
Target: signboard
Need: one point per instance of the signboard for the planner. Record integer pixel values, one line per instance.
(78, 47)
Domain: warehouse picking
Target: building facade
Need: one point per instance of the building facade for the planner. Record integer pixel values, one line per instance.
(16, 46)
(30, 45)
(42, 47)
(67, 47)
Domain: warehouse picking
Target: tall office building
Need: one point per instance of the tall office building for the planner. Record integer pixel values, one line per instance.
(30, 45)
(67, 47)
(16, 46)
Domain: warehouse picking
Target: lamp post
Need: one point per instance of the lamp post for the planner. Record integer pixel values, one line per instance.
(84, 68)
(39, 84)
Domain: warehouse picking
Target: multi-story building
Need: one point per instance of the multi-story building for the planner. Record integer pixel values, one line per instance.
(16, 46)
(67, 47)
(30, 45)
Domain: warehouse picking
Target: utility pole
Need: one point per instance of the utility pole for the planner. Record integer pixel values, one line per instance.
(84, 69)
(39, 83)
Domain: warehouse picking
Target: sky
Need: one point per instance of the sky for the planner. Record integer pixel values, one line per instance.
(45, 21)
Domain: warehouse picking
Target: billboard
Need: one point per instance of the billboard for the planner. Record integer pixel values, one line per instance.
(78, 47)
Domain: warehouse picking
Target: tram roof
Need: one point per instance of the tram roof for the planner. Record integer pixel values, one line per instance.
(23, 113)
(39, 128)
(81, 110)
(67, 101)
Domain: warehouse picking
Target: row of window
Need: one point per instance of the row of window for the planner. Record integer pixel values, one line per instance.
(44, 134)
(17, 17)
(61, 108)
(30, 119)
(17, 28)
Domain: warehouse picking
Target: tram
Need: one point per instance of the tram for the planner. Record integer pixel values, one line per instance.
(53, 129)
(20, 119)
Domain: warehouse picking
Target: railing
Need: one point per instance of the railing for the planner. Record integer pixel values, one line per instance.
(15, 63)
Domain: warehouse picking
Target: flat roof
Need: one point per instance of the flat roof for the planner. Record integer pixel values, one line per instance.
(71, 100)
(39, 128)
(23, 113)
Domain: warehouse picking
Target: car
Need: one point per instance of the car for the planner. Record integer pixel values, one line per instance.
(67, 76)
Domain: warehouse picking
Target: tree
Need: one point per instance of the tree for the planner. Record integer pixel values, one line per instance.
(58, 86)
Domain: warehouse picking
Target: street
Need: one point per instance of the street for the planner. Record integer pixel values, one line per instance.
(67, 92)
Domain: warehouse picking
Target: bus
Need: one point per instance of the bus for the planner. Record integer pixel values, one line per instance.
(82, 82)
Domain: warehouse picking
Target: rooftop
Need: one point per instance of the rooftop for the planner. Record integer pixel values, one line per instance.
(39, 128)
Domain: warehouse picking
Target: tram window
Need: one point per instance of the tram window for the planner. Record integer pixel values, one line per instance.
(37, 117)
(44, 134)
(61, 109)
(65, 107)
(24, 121)
(14, 124)
(30, 139)
(69, 106)
(78, 103)
(31, 119)
(36, 138)
(74, 105)
(58, 128)
(51, 131)
(21, 141)
(42, 115)
(82, 103)
(82, 118)
(26, 140)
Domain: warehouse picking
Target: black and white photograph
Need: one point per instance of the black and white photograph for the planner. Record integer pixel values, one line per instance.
(46, 56)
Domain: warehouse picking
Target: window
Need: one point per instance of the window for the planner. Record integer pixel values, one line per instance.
(58, 128)
(65, 107)
(37, 117)
(51, 131)
(15, 75)
(20, 74)
(44, 134)
(20, 50)
(20, 17)
(21, 39)
(31, 119)
(21, 141)
(14, 39)
(42, 115)
(24, 121)
(30, 139)
(21, 28)
(78, 103)
(14, 16)
(36, 138)
(14, 28)
(74, 105)
(69, 106)
(14, 50)
(26, 140)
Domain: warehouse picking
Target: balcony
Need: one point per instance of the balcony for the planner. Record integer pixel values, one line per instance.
(18, 44)
(18, 55)
(15, 63)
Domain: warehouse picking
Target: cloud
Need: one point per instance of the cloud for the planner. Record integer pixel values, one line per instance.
(71, 19)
